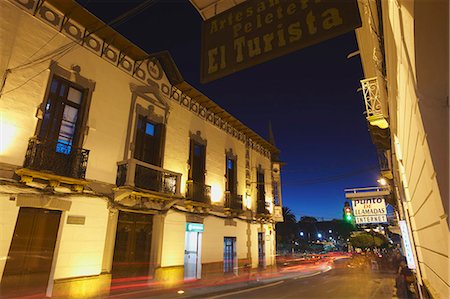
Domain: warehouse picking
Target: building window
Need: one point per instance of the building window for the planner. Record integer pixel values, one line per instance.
(149, 141)
(231, 174)
(61, 121)
(197, 162)
(229, 254)
(150, 129)
(260, 191)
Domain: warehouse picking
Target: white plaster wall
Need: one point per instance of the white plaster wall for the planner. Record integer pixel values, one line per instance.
(213, 239)
(8, 217)
(255, 228)
(270, 244)
(423, 198)
(80, 251)
(172, 253)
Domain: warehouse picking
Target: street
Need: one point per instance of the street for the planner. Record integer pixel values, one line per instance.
(322, 280)
(340, 282)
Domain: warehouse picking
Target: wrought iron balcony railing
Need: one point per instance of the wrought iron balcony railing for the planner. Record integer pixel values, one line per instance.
(198, 192)
(233, 201)
(372, 100)
(262, 207)
(139, 174)
(56, 158)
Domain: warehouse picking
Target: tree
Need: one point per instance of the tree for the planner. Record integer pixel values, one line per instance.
(308, 219)
(286, 230)
(368, 240)
(288, 215)
(362, 240)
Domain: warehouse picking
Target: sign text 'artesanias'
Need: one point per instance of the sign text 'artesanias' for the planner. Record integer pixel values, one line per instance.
(259, 30)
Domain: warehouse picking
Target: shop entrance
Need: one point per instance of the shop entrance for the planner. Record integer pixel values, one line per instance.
(30, 256)
(192, 251)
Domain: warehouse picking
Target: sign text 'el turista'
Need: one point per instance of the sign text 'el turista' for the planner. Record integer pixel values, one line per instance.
(256, 31)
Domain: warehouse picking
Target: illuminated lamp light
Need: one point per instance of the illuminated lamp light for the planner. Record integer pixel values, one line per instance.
(382, 181)
(248, 201)
(270, 206)
(216, 193)
(8, 133)
(379, 121)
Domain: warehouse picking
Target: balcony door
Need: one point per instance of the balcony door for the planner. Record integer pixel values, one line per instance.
(30, 256)
(61, 121)
(197, 162)
(148, 149)
(59, 132)
(261, 193)
(231, 176)
(148, 143)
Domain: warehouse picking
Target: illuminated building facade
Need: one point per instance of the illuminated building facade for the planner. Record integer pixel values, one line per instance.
(404, 52)
(112, 165)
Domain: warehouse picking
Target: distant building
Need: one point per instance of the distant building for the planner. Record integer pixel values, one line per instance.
(404, 48)
(111, 164)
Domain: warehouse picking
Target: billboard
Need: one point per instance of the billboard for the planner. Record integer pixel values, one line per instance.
(369, 210)
(256, 31)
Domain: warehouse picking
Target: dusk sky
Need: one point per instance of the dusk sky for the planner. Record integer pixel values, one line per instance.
(310, 96)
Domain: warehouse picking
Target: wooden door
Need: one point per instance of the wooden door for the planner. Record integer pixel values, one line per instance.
(133, 243)
(30, 256)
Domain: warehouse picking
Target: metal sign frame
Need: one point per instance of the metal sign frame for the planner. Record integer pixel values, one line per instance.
(256, 31)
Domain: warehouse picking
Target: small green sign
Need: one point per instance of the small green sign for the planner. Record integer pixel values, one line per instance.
(194, 227)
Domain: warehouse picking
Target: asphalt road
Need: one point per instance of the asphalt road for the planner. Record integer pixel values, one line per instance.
(340, 282)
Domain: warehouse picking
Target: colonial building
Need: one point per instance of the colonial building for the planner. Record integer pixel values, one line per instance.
(111, 164)
(404, 52)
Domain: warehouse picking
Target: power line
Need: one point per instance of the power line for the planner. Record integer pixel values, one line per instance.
(63, 50)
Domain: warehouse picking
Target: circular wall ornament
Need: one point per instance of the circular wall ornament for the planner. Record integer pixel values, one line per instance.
(154, 70)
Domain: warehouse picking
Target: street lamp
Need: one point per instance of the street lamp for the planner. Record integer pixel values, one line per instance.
(382, 181)
(330, 231)
(302, 234)
(319, 235)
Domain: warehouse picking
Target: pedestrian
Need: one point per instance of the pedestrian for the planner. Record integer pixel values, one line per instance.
(405, 281)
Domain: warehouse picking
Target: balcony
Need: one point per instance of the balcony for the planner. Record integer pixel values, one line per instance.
(146, 176)
(372, 100)
(198, 192)
(262, 207)
(384, 160)
(233, 201)
(56, 158)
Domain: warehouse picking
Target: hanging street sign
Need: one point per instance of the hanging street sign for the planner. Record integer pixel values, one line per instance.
(369, 210)
(256, 31)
